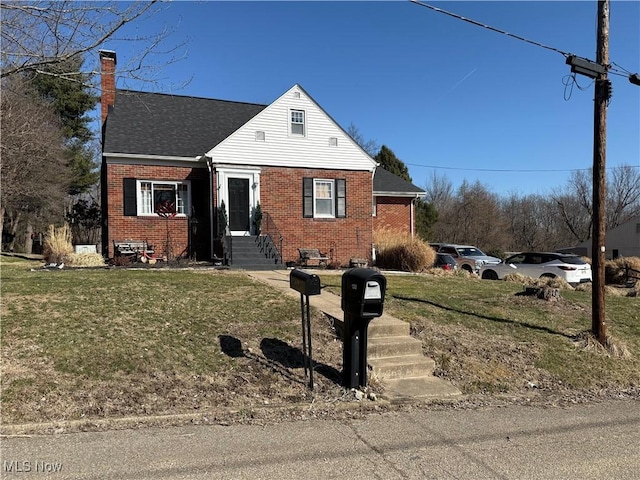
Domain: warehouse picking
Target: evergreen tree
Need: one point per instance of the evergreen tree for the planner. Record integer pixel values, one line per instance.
(388, 160)
(426, 217)
(71, 99)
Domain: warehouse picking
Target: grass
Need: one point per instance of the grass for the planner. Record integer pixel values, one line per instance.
(102, 342)
(116, 342)
(487, 338)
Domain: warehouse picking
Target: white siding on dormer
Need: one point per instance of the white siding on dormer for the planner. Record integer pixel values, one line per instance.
(281, 149)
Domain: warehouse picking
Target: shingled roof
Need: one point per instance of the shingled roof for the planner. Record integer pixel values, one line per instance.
(171, 125)
(387, 183)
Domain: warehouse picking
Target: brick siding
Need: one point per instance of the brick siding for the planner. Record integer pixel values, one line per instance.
(153, 229)
(393, 213)
(343, 238)
(281, 197)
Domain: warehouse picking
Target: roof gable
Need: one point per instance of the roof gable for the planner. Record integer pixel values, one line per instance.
(142, 123)
(265, 140)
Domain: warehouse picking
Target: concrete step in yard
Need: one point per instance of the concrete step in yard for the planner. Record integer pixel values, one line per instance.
(396, 358)
(410, 389)
(393, 346)
(401, 366)
(386, 326)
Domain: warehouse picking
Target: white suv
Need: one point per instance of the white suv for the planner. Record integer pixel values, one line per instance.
(572, 268)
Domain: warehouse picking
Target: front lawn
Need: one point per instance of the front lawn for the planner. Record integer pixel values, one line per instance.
(115, 342)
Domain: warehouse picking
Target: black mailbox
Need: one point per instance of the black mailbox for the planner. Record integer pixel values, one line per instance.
(305, 283)
(363, 291)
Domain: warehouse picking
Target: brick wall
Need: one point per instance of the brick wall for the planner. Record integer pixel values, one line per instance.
(153, 229)
(281, 198)
(350, 237)
(393, 213)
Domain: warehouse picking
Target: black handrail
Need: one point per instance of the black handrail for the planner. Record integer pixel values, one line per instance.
(270, 238)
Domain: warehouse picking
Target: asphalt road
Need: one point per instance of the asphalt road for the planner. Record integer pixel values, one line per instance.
(597, 441)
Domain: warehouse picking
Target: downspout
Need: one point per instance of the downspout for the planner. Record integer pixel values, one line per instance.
(373, 245)
(412, 215)
(209, 161)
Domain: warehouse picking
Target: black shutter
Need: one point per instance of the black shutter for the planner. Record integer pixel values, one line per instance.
(307, 197)
(341, 198)
(130, 207)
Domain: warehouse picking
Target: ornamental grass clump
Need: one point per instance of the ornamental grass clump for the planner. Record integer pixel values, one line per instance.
(399, 251)
(57, 244)
(615, 271)
(85, 260)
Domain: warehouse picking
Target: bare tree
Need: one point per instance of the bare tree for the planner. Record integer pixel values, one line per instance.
(574, 204)
(438, 191)
(533, 223)
(623, 195)
(36, 35)
(369, 146)
(472, 214)
(34, 172)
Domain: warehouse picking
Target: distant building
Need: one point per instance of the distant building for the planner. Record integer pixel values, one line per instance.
(622, 241)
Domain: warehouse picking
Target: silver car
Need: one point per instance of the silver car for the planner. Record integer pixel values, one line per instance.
(469, 257)
(572, 268)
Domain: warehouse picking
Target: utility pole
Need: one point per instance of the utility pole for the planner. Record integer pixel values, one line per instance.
(602, 95)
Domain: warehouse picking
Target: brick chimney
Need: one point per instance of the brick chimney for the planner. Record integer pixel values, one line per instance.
(107, 80)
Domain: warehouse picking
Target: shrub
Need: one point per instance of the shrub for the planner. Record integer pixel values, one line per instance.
(85, 260)
(399, 251)
(556, 282)
(57, 244)
(615, 271)
(121, 261)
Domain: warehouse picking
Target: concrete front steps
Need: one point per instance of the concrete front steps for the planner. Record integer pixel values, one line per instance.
(396, 359)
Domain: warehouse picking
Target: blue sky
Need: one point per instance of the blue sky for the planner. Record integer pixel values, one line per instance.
(446, 96)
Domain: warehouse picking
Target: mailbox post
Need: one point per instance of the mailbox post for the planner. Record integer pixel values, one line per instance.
(363, 291)
(307, 284)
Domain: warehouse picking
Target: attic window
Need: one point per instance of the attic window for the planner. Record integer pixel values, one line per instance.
(333, 141)
(259, 136)
(296, 94)
(297, 123)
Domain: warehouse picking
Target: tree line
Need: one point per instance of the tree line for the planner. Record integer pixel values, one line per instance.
(50, 156)
(473, 214)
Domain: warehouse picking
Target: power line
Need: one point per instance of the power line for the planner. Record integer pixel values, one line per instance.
(512, 170)
(488, 27)
(620, 71)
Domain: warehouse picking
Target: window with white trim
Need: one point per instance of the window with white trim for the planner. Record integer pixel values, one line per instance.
(297, 122)
(324, 198)
(152, 194)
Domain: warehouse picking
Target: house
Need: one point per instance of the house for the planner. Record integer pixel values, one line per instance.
(621, 241)
(216, 163)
